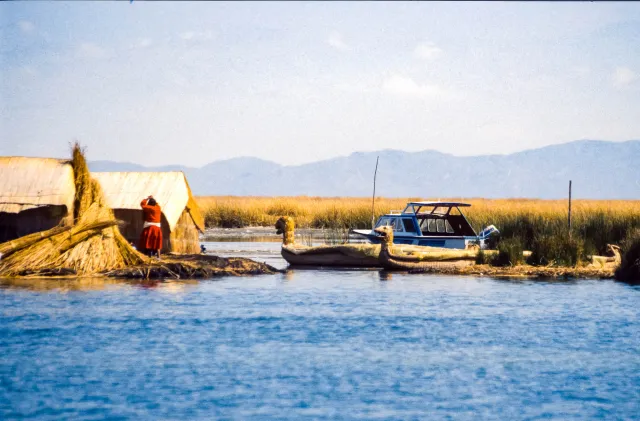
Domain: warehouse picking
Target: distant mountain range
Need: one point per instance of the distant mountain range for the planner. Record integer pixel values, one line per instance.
(598, 169)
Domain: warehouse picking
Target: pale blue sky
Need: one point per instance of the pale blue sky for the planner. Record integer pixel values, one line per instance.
(190, 83)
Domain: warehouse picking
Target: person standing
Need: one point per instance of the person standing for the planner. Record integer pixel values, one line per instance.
(151, 237)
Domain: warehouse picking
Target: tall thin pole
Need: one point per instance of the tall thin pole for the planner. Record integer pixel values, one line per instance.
(373, 200)
(569, 208)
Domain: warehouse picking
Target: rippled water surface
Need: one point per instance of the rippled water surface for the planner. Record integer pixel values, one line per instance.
(320, 345)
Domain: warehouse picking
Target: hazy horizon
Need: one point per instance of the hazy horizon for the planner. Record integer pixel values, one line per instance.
(160, 83)
(363, 152)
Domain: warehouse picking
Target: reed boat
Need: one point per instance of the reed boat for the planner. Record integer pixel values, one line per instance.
(432, 224)
(342, 255)
(347, 255)
(390, 259)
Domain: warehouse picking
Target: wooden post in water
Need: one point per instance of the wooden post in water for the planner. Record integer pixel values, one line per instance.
(373, 200)
(569, 208)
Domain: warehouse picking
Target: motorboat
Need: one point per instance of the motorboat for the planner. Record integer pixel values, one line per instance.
(432, 224)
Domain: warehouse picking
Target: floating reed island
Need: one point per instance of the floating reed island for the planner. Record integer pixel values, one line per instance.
(193, 266)
(89, 243)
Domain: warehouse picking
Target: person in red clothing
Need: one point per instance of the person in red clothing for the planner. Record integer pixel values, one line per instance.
(151, 237)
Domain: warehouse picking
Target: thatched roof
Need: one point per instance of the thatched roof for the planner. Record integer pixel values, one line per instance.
(91, 244)
(125, 190)
(27, 183)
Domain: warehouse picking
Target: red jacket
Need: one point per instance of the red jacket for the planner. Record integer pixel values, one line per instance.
(151, 213)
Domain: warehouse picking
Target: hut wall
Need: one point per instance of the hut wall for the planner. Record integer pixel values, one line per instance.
(133, 223)
(185, 237)
(15, 225)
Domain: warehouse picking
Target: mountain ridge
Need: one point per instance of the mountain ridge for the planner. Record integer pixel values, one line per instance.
(599, 170)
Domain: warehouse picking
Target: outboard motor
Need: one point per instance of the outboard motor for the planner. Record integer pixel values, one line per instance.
(486, 233)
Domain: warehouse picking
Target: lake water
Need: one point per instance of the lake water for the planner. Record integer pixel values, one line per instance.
(308, 344)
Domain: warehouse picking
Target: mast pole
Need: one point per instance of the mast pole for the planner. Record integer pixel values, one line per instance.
(373, 199)
(569, 208)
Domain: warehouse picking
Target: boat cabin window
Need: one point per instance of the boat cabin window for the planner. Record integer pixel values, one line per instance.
(397, 225)
(437, 224)
(448, 227)
(384, 222)
(409, 226)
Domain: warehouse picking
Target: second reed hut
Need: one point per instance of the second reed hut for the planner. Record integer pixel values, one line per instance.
(36, 194)
(181, 219)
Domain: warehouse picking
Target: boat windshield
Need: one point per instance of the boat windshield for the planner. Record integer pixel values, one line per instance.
(409, 209)
(384, 221)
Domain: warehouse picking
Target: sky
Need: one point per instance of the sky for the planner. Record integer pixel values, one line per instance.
(186, 83)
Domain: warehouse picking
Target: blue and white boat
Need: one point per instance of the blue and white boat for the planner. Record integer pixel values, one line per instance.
(433, 224)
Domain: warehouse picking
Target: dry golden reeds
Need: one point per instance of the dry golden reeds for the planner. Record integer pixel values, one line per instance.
(93, 244)
(596, 222)
(20, 243)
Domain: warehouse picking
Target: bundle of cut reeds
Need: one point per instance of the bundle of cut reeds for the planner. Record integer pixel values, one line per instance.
(92, 244)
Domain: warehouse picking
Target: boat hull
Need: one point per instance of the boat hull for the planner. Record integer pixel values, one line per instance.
(329, 256)
(391, 264)
(458, 242)
(362, 255)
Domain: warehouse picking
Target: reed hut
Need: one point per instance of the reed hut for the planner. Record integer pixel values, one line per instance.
(36, 194)
(86, 241)
(181, 222)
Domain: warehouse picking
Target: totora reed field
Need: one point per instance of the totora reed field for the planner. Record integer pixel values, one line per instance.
(537, 225)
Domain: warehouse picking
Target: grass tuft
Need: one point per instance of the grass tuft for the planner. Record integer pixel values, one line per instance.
(509, 253)
(557, 250)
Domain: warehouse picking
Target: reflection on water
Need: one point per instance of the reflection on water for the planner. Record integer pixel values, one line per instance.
(386, 275)
(62, 285)
(289, 275)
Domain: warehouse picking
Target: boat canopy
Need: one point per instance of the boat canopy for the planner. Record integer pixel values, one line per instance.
(443, 204)
(438, 219)
(416, 207)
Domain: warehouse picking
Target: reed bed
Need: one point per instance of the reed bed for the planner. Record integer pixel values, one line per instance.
(538, 224)
(629, 269)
